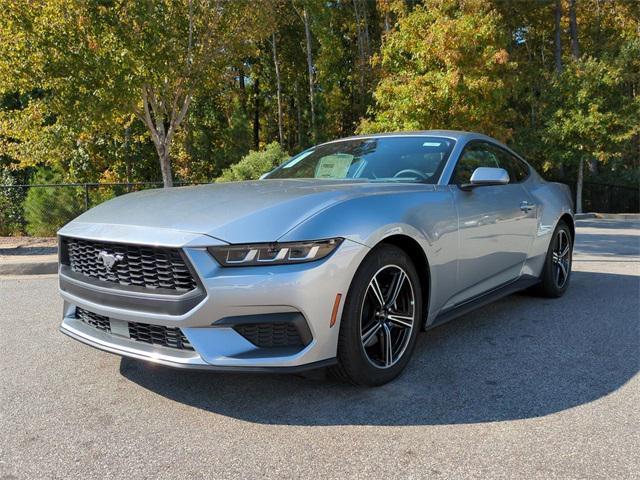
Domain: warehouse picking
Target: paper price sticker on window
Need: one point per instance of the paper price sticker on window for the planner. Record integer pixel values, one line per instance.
(334, 166)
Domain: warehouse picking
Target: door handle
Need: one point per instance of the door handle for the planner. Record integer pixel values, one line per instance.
(526, 206)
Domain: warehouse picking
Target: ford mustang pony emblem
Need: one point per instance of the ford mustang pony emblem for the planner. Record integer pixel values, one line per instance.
(108, 260)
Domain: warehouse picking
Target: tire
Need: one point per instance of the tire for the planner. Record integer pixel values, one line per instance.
(553, 282)
(368, 323)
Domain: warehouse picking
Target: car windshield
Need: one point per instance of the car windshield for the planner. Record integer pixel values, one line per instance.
(383, 159)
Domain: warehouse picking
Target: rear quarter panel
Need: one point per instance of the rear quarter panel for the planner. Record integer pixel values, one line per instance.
(553, 201)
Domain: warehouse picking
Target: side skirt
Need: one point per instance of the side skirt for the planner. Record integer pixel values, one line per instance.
(483, 299)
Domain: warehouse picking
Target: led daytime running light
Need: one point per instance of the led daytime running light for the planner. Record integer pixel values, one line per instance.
(274, 253)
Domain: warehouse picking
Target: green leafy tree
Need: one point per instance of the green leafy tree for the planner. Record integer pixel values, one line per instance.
(48, 209)
(445, 66)
(591, 121)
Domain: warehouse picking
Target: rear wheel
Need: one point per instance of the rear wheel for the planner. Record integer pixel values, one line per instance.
(557, 267)
(381, 318)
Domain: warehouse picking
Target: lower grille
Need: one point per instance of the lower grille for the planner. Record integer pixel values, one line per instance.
(171, 337)
(159, 335)
(97, 321)
(268, 335)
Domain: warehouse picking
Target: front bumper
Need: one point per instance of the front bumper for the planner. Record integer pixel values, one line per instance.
(306, 291)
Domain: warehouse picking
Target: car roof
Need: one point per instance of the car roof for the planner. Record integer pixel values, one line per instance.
(452, 134)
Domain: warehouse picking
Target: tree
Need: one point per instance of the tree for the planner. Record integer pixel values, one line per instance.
(276, 66)
(312, 101)
(592, 120)
(445, 66)
(575, 53)
(305, 16)
(107, 62)
(74, 76)
(364, 44)
(558, 36)
(47, 210)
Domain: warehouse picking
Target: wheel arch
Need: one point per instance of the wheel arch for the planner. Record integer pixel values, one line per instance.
(568, 219)
(419, 258)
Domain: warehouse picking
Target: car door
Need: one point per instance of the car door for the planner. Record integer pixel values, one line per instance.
(496, 223)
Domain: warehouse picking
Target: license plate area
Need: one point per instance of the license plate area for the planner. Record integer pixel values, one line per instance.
(119, 327)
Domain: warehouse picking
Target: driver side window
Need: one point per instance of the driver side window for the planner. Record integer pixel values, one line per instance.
(477, 154)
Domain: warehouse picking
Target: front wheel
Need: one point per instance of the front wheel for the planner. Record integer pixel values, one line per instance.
(381, 318)
(556, 272)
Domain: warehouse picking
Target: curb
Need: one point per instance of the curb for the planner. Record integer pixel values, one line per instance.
(584, 216)
(619, 216)
(34, 265)
(608, 216)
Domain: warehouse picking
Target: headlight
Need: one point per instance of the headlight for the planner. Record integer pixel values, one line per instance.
(274, 253)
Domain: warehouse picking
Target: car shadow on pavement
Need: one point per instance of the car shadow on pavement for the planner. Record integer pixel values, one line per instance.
(522, 357)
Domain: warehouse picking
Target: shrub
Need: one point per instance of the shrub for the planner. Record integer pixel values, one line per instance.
(11, 215)
(254, 164)
(46, 209)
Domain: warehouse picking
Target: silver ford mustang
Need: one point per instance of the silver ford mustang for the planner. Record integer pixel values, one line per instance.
(338, 258)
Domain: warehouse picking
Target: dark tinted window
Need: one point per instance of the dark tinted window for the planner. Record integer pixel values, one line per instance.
(482, 154)
(477, 154)
(517, 169)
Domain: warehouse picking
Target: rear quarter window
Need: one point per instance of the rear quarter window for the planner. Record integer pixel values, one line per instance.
(517, 169)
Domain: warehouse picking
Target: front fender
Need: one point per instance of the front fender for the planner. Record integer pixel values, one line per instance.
(427, 215)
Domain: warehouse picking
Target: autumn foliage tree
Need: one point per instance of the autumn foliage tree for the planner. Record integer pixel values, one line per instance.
(445, 66)
(124, 90)
(104, 63)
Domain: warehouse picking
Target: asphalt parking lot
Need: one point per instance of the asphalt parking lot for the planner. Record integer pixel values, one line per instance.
(524, 388)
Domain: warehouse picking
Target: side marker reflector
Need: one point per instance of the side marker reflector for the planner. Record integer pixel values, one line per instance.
(336, 306)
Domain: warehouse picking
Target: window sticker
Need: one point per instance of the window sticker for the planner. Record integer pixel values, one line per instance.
(431, 144)
(334, 166)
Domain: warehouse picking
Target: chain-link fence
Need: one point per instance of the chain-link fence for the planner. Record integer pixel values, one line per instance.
(40, 210)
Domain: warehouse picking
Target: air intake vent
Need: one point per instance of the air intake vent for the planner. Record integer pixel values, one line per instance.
(141, 332)
(159, 335)
(269, 335)
(98, 321)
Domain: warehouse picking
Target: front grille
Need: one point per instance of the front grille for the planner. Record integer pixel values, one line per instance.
(283, 334)
(141, 332)
(141, 266)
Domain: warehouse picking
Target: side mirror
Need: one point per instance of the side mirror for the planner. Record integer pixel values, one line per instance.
(484, 176)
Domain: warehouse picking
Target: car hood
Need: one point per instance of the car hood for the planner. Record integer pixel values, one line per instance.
(240, 212)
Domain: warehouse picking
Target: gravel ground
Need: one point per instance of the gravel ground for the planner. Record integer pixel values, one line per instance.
(524, 388)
